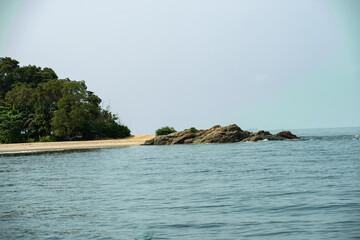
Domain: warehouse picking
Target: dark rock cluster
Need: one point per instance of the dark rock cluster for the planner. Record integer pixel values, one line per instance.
(218, 134)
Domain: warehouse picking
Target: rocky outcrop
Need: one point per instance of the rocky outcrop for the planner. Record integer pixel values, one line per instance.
(261, 136)
(217, 134)
(286, 134)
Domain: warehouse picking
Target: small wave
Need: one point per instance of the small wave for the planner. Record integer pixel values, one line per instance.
(47, 151)
(32, 151)
(330, 138)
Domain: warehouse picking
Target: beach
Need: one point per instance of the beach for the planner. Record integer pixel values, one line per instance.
(44, 146)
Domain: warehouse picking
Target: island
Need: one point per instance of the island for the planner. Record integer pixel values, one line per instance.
(218, 134)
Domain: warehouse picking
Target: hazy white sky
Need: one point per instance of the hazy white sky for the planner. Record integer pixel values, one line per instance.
(262, 64)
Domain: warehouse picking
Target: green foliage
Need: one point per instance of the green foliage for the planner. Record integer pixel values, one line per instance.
(37, 106)
(193, 130)
(70, 116)
(11, 75)
(112, 127)
(20, 97)
(11, 123)
(165, 131)
(8, 76)
(115, 130)
(47, 139)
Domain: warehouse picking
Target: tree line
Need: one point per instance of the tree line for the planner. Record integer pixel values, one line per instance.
(35, 105)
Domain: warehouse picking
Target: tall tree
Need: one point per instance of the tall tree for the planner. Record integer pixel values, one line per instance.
(69, 119)
(8, 67)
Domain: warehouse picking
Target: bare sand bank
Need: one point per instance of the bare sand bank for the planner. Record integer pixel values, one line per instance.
(44, 146)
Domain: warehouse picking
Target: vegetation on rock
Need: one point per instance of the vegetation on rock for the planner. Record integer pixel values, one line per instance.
(164, 131)
(37, 106)
(193, 130)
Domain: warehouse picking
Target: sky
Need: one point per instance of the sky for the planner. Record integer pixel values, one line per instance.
(261, 64)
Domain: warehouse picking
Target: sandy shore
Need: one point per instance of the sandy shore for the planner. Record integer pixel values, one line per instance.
(44, 146)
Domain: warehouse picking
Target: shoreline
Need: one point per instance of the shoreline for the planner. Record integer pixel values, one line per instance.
(133, 140)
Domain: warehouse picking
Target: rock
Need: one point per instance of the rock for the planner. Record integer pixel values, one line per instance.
(231, 133)
(150, 142)
(189, 141)
(162, 139)
(217, 134)
(286, 134)
(265, 135)
(256, 138)
(262, 132)
(183, 137)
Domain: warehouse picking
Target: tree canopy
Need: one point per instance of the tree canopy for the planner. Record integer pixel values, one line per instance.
(36, 105)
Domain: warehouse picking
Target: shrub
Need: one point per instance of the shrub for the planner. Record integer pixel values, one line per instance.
(165, 131)
(193, 130)
(116, 130)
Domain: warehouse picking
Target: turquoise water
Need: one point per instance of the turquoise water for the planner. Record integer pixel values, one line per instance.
(308, 189)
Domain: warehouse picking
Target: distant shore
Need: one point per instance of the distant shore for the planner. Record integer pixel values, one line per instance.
(45, 146)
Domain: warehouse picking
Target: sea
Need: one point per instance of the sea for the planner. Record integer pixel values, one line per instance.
(296, 189)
